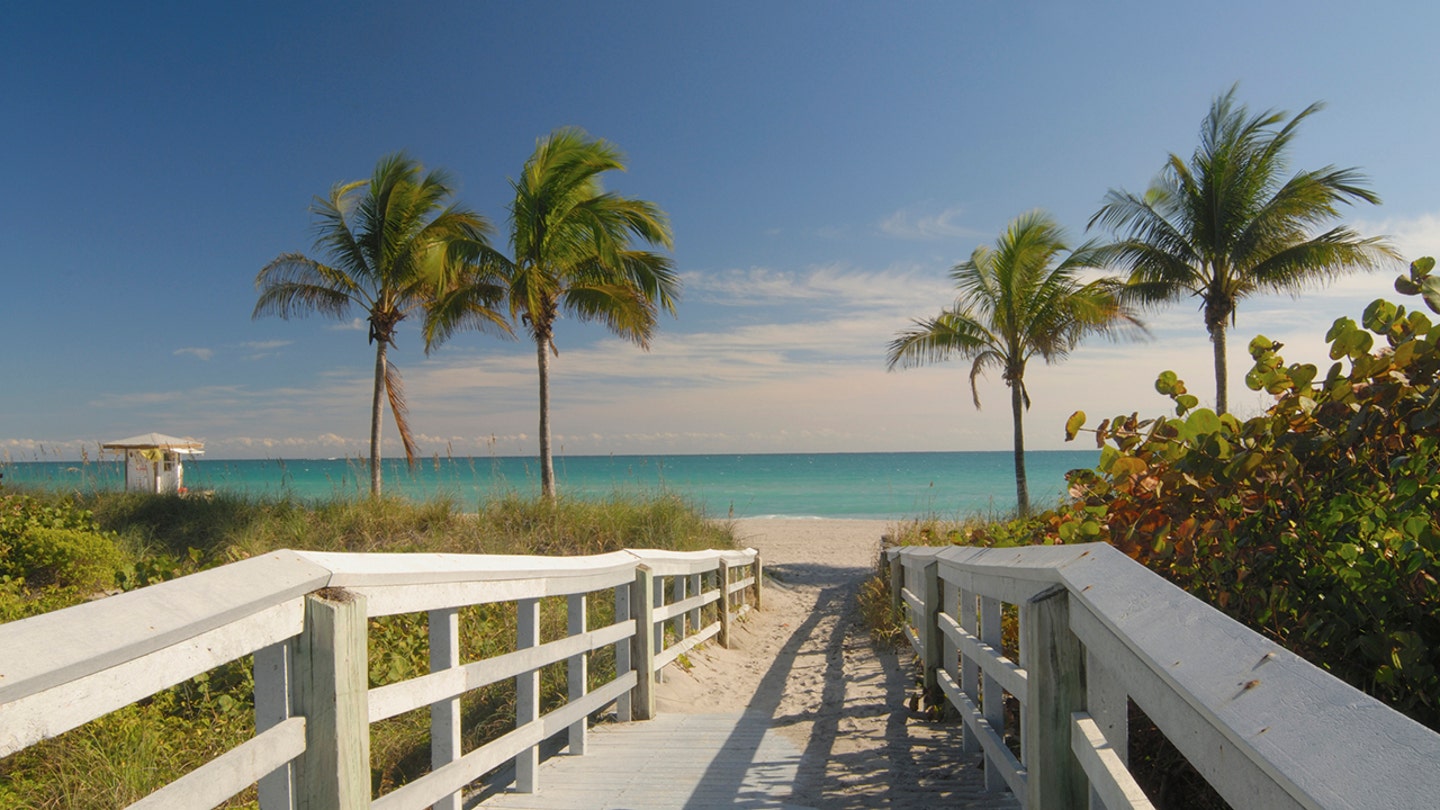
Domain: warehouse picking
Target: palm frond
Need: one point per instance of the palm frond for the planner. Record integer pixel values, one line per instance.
(294, 284)
(395, 392)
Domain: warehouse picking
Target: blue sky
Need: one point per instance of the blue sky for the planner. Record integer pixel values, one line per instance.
(824, 164)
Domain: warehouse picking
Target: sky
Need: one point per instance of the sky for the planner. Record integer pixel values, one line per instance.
(823, 164)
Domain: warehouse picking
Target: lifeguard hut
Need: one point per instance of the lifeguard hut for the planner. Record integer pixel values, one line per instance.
(153, 461)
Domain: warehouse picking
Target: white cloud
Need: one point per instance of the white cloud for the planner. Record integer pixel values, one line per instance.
(830, 286)
(1413, 237)
(265, 345)
(946, 224)
(196, 352)
(355, 325)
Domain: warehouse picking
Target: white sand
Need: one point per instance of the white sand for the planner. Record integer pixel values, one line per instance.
(807, 662)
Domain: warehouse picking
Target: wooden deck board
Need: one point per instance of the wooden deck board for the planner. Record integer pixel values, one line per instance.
(673, 761)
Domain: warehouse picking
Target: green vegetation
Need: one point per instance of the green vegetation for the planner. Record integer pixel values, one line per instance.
(1316, 523)
(1229, 224)
(57, 550)
(394, 243)
(1015, 303)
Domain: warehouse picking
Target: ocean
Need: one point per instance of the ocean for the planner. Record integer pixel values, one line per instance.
(822, 485)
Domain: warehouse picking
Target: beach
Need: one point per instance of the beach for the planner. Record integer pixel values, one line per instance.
(807, 661)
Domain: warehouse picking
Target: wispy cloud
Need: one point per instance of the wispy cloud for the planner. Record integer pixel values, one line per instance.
(833, 287)
(354, 325)
(1413, 237)
(909, 224)
(265, 345)
(195, 351)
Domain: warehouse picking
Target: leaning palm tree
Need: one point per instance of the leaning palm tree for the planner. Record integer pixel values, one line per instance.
(571, 247)
(391, 244)
(1229, 223)
(1016, 302)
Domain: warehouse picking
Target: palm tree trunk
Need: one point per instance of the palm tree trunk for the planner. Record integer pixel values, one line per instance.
(1217, 341)
(377, 415)
(1017, 413)
(547, 464)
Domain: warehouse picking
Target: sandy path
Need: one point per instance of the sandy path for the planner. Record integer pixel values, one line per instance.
(806, 662)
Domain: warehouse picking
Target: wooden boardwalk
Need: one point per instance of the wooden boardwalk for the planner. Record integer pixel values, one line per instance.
(694, 761)
(674, 761)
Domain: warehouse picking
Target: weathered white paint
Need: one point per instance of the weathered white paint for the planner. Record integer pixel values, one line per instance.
(231, 772)
(576, 670)
(444, 628)
(689, 643)
(527, 693)
(1110, 780)
(397, 698)
(274, 676)
(54, 648)
(1009, 674)
(312, 707)
(333, 772)
(688, 605)
(1000, 761)
(66, 705)
(1266, 728)
(425, 790)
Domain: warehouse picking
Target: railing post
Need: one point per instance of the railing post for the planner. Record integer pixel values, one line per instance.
(723, 575)
(623, 647)
(1055, 662)
(930, 633)
(696, 588)
(576, 670)
(331, 694)
(642, 654)
(677, 594)
(445, 714)
(897, 581)
(274, 673)
(992, 696)
(658, 628)
(527, 694)
(759, 578)
(949, 651)
(969, 618)
(1109, 707)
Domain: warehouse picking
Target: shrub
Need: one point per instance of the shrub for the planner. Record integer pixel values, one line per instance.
(85, 560)
(1317, 523)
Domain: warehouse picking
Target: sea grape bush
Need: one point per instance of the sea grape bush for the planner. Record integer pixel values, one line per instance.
(1317, 522)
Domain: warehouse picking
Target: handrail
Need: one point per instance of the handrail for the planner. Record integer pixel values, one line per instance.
(1097, 630)
(303, 616)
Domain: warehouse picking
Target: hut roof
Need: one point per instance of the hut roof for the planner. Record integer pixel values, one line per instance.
(156, 441)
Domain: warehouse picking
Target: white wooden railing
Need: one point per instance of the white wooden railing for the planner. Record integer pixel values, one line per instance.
(1096, 629)
(303, 616)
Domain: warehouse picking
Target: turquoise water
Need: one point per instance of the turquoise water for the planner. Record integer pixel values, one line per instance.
(831, 485)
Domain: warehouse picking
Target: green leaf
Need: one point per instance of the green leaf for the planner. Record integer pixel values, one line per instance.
(1073, 425)
(1203, 421)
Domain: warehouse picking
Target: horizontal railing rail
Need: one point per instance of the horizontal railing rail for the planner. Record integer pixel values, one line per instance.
(304, 616)
(1095, 631)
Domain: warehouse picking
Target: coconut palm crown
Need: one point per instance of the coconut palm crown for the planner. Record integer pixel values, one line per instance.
(1016, 302)
(391, 245)
(571, 253)
(1230, 223)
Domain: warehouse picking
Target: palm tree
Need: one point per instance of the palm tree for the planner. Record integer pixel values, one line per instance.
(391, 245)
(571, 247)
(1015, 302)
(1229, 224)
